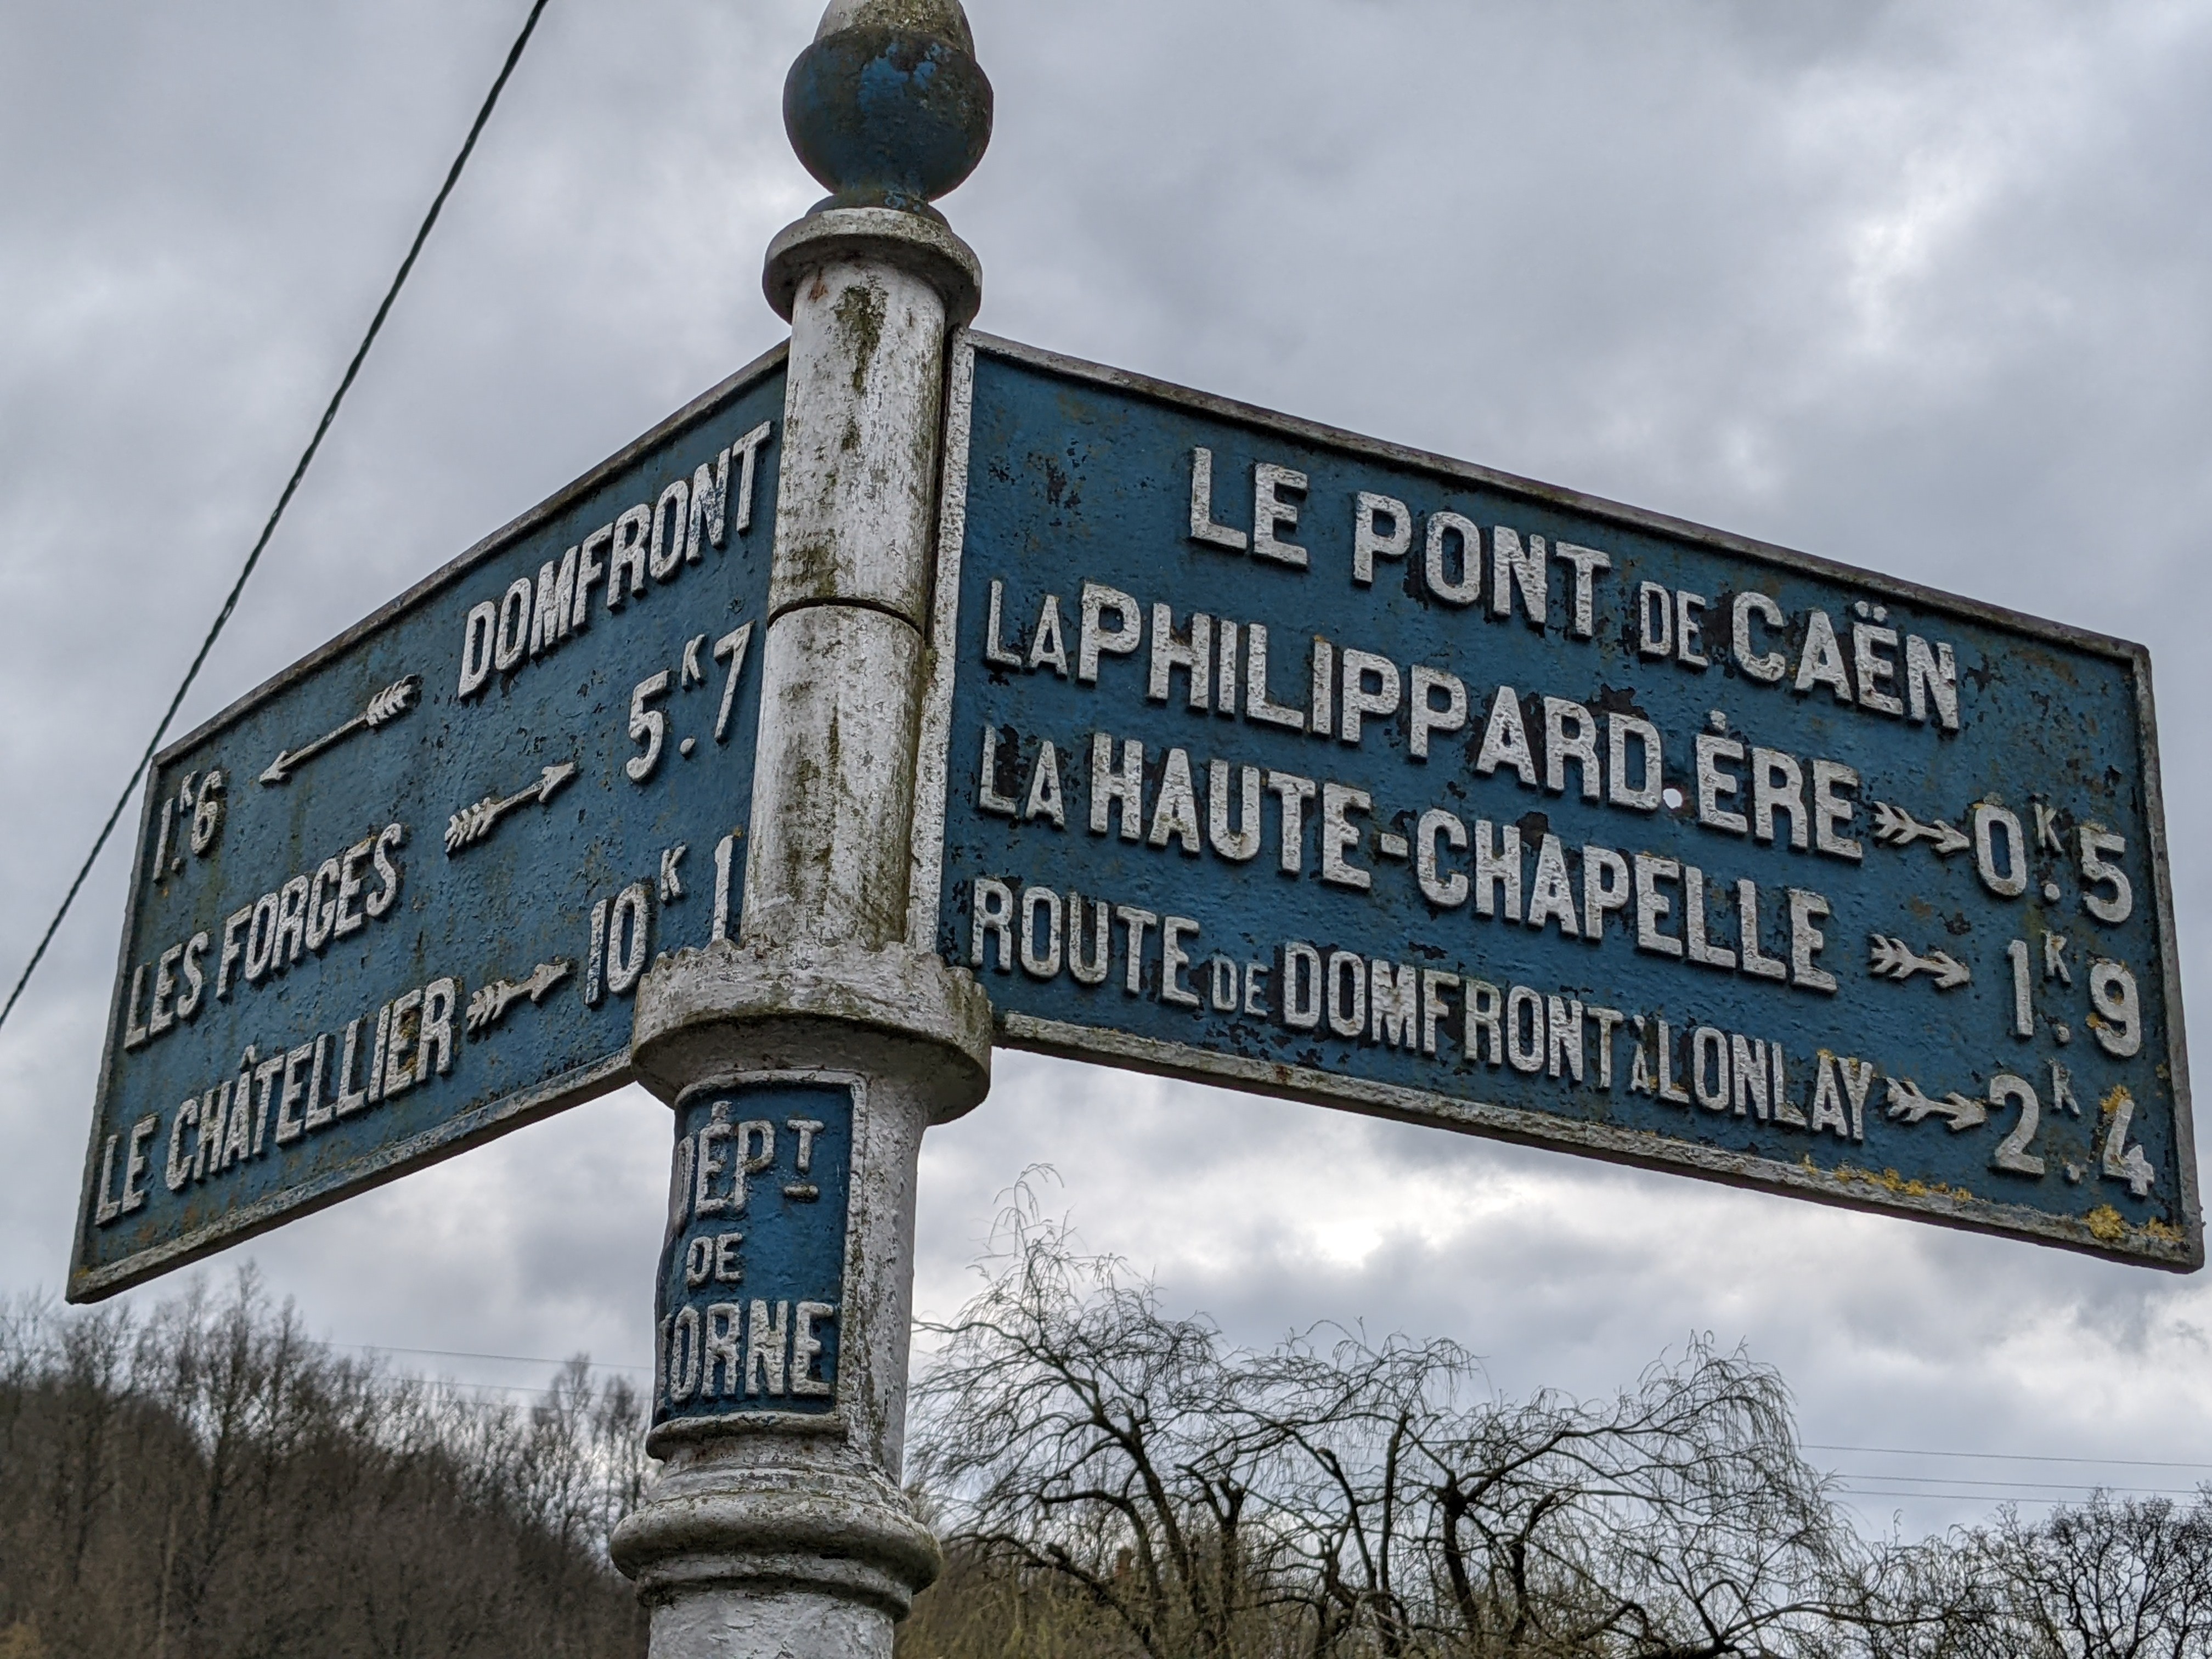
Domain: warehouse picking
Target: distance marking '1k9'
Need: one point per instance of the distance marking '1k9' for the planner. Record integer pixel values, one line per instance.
(1282, 758)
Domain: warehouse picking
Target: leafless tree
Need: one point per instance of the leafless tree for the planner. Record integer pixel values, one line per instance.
(1089, 1435)
(2111, 1578)
(1343, 1497)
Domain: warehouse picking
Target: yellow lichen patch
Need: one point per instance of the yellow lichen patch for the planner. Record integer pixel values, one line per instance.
(1891, 1181)
(2105, 1224)
(2162, 1232)
(2112, 1102)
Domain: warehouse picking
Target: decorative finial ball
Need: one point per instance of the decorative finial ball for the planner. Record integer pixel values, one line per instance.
(889, 107)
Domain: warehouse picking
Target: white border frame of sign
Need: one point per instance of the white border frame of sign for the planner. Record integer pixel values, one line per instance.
(459, 1134)
(1647, 1151)
(662, 1437)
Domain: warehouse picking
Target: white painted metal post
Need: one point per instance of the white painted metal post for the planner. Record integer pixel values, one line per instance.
(774, 1531)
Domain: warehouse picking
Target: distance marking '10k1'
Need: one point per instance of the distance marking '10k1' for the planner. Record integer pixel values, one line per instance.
(397, 900)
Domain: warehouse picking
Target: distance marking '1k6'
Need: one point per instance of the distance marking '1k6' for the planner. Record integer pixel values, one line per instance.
(396, 902)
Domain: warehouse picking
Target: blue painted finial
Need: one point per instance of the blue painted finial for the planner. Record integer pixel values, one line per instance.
(889, 107)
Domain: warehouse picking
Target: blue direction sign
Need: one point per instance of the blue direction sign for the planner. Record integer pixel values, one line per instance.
(396, 902)
(1289, 760)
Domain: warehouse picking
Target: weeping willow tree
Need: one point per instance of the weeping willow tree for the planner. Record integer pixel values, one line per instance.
(1333, 1496)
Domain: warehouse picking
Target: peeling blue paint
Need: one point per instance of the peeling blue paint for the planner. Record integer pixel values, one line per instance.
(497, 910)
(1081, 475)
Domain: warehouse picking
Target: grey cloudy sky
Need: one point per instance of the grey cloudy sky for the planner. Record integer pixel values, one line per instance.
(1924, 288)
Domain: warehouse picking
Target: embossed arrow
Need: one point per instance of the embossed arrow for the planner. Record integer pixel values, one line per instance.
(490, 1005)
(1907, 1104)
(1895, 827)
(475, 824)
(1892, 959)
(386, 707)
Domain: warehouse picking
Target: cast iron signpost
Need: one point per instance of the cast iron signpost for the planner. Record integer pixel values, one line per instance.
(913, 692)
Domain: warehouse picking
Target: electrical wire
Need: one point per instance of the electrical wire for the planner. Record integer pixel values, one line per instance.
(1808, 1446)
(1933, 1489)
(276, 514)
(2006, 1457)
(1846, 1478)
(462, 1353)
(1972, 1498)
(2005, 1486)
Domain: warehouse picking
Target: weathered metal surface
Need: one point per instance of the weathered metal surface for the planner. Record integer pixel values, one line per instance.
(777, 1526)
(470, 820)
(849, 599)
(763, 1499)
(752, 1267)
(1889, 928)
(888, 107)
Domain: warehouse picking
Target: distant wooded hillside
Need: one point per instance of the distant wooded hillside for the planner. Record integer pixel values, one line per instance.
(207, 1483)
(1111, 1481)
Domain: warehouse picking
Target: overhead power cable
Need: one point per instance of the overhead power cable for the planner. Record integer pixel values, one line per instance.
(1987, 1498)
(1998, 1485)
(291, 486)
(464, 1353)
(2008, 1457)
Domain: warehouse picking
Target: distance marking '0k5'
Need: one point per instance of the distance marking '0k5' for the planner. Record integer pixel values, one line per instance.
(1284, 758)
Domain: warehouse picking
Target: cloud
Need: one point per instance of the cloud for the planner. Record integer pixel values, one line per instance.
(1917, 288)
